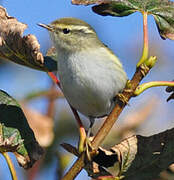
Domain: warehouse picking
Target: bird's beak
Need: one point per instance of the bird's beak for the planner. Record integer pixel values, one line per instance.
(48, 27)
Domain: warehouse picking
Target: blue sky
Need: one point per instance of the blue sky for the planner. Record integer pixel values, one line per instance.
(122, 35)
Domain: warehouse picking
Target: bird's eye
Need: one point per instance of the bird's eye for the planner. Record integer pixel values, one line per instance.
(66, 31)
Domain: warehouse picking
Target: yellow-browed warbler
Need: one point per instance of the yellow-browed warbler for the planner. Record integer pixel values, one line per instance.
(90, 73)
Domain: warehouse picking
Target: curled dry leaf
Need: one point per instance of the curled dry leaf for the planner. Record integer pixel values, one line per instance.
(22, 50)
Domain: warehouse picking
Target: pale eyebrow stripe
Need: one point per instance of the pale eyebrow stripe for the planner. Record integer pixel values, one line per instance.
(86, 29)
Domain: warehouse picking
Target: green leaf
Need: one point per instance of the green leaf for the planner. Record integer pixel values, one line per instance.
(162, 11)
(15, 133)
(24, 50)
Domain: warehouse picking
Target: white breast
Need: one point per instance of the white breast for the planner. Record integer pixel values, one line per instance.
(90, 81)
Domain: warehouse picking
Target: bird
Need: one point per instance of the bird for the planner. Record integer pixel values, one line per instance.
(90, 74)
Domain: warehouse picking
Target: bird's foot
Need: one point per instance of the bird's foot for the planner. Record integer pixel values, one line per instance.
(90, 151)
(86, 145)
(122, 98)
(128, 87)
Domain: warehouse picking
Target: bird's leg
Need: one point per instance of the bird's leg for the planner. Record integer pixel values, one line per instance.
(92, 120)
(82, 131)
(81, 127)
(88, 142)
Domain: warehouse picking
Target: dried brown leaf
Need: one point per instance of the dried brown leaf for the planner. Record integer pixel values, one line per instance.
(22, 50)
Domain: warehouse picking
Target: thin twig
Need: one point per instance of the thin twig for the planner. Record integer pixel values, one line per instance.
(141, 88)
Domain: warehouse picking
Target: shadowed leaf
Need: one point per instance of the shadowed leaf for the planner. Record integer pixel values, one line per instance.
(15, 132)
(50, 60)
(162, 11)
(136, 160)
(22, 50)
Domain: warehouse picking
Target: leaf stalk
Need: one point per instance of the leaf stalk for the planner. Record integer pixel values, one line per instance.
(10, 165)
(145, 52)
(141, 88)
